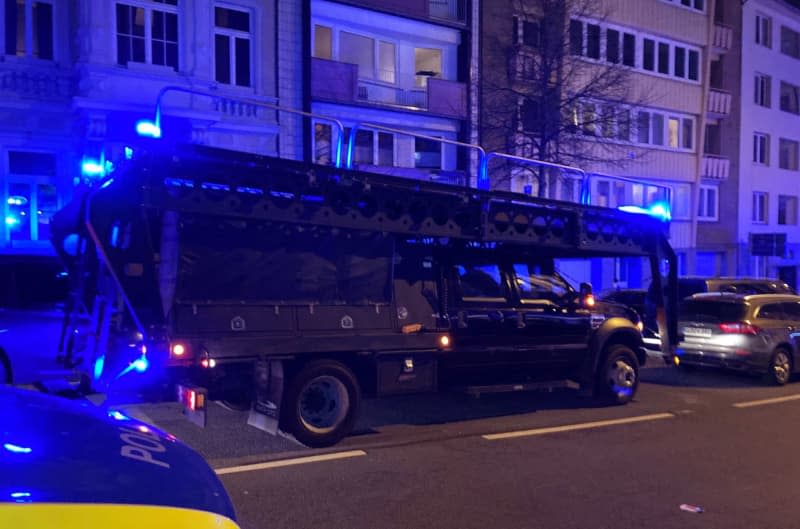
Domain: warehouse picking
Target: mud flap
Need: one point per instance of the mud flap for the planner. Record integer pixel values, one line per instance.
(266, 410)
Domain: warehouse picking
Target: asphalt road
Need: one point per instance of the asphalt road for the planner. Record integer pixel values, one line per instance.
(455, 461)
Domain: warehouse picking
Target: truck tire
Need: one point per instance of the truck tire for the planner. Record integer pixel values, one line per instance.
(321, 403)
(617, 376)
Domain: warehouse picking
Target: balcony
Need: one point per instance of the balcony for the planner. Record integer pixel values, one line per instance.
(722, 38)
(715, 167)
(339, 82)
(718, 103)
(21, 79)
(452, 10)
(446, 10)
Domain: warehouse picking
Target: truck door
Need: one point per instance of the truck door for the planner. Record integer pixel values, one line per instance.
(556, 327)
(482, 316)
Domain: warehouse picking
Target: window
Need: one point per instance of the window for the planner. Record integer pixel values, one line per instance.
(787, 154)
(663, 58)
(772, 311)
(612, 46)
(790, 98)
(790, 42)
(323, 42)
(657, 121)
(370, 148)
(31, 197)
(427, 154)
(534, 283)
(427, 63)
(623, 119)
(648, 55)
(761, 148)
(694, 65)
(643, 127)
(593, 41)
(697, 5)
(576, 37)
(589, 120)
(358, 50)
(763, 30)
(232, 46)
(480, 282)
(688, 133)
(529, 115)
(762, 90)
(787, 210)
(673, 132)
(148, 35)
(680, 206)
(29, 33)
(707, 203)
(387, 63)
(629, 50)
(680, 61)
(530, 33)
(760, 211)
(323, 140)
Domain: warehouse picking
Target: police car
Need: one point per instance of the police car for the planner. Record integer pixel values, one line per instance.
(68, 463)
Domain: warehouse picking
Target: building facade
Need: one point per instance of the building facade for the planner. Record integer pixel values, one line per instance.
(641, 145)
(762, 142)
(398, 74)
(76, 77)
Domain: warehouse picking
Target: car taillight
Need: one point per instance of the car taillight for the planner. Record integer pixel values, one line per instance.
(739, 328)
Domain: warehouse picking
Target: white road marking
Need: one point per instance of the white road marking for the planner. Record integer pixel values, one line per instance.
(290, 462)
(579, 426)
(764, 402)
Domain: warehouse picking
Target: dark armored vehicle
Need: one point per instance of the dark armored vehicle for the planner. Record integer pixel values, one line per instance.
(299, 287)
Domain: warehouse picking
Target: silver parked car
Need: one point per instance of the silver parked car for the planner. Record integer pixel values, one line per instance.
(757, 333)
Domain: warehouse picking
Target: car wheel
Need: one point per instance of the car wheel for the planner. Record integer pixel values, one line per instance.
(618, 376)
(780, 367)
(5, 369)
(321, 403)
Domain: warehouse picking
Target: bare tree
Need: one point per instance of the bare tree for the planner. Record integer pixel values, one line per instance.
(550, 90)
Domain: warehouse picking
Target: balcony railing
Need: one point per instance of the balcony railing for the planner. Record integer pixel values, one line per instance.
(337, 81)
(723, 37)
(23, 80)
(719, 102)
(716, 167)
(454, 10)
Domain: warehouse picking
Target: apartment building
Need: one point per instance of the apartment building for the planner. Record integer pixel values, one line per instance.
(639, 146)
(397, 74)
(76, 77)
(761, 141)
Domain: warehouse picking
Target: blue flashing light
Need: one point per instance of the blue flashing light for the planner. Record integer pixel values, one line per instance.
(18, 495)
(16, 449)
(98, 366)
(128, 153)
(141, 364)
(11, 220)
(114, 414)
(91, 167)
(147, 128)
(312, 198)
(659, 210)
(107, 183)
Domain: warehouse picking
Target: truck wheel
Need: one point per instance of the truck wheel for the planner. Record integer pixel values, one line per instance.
(5, 369)
(618, 376)
(321, 403)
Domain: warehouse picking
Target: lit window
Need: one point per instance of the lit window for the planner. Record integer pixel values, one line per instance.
(148, 34)
(232, 46)
(323, 140)
(31, 197)
(323, 42)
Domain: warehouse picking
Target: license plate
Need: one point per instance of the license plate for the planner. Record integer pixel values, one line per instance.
(696, 331)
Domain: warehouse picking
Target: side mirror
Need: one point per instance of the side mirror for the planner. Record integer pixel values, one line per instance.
(586, 295)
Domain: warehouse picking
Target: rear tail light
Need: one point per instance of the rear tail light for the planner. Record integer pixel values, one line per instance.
(739, 328)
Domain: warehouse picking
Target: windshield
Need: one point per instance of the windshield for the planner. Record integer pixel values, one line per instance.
(711, 311)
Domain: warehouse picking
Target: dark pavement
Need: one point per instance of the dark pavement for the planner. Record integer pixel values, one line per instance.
(425, 462)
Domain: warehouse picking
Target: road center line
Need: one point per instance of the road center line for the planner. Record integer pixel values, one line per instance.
(764, 402)
(290, 462)
(578, 426)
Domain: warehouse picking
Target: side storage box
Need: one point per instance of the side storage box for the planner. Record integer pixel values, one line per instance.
(406, 373)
